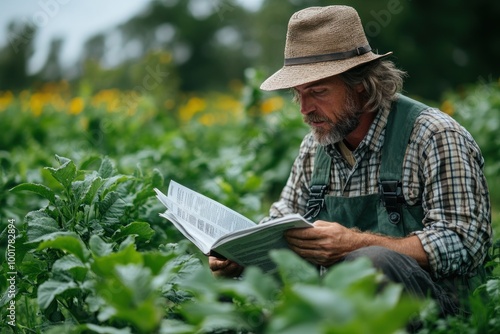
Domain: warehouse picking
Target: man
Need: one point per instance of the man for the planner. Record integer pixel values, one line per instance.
(381, 175)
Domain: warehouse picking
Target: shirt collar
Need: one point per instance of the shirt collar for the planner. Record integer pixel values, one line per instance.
(374, 139)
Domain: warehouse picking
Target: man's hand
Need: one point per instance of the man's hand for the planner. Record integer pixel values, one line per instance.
(324, 244)
(223, 267)
(329, 242)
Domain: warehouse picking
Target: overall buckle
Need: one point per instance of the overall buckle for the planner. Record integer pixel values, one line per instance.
(392, 197)
(316, 200)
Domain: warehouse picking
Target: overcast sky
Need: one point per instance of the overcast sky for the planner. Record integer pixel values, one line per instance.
(72, 20)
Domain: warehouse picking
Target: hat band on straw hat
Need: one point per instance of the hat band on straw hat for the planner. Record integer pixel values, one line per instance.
(328, 57)
(321, 42)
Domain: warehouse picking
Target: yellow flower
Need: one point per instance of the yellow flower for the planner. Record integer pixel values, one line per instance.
(110, 98)
(5, 99)
(228, 103)
(193, 106)
(207, 119)
(447, 107)
(36, 103)
(271, 104)
(76, 105)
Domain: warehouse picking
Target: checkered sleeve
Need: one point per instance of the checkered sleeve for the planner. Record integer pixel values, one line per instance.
(457, 227)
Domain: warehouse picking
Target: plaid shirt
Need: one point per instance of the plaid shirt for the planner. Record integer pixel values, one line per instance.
(442, 170)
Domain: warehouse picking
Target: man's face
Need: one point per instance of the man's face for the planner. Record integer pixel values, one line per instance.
(330, 108)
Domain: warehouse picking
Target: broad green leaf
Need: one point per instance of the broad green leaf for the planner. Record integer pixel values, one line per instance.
(138, 172)
(183, 268)
(211, 316)
(157, 179)
(255, 286)
(72, 265)
(39, 189)
(378, 314)
(389, 296)
(201, 283)
(31, 267)
(327, 304)
(292, 268)
(86, 190)
(345, 274)
(142, 196)
(104, 266)
(137, 279)
(116, 294)
(99, 247)
(129, 241)
(6, 296)
(493, 289)
(106, 168)
(112, 208)
(309, 308)
(67, 241)
(112, 182)
(93, 300)
(130, 296)
(142, 230)
(65, 174)
(89, 161)
(156, 260)
(146, 316)
(174, 269)
(48, 290)
(39, 224)
(62, 160)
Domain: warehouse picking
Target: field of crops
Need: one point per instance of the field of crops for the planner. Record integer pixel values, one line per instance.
(86, 251)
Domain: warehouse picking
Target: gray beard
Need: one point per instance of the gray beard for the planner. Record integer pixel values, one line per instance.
(339, 130)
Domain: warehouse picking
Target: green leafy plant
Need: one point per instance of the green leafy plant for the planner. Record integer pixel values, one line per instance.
(93, 256)
(78, 255)
(297, 300)
(477, 108)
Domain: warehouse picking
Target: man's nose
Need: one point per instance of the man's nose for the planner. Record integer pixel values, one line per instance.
(306, 104)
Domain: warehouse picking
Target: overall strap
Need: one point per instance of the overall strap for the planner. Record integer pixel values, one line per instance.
(319, 183)
(397, 135)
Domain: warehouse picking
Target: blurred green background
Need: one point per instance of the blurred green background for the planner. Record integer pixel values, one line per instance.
(185, 74)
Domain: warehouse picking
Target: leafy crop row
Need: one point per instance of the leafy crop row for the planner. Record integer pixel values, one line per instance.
(93, 256)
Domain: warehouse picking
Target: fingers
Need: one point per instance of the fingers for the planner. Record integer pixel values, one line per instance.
(224, 268)
(318, 245)
(322, 229)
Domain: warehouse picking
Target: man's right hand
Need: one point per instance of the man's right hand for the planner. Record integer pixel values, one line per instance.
(223, 267)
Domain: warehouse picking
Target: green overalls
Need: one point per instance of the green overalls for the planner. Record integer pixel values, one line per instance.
(385, 212)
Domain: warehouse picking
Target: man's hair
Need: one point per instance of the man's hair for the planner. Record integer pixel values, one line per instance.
(381, 79)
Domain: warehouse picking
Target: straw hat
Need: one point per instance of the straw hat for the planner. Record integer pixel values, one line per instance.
(321, 42)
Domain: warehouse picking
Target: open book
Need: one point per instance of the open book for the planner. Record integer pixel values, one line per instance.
(216, 229)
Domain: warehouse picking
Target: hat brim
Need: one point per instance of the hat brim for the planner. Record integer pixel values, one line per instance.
(296, 75)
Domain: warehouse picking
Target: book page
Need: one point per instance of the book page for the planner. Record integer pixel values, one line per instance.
(199, 218)
(221, 216)
(212, 226)
(201, 240)
(194, 227)
(253, 246)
